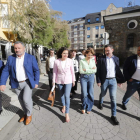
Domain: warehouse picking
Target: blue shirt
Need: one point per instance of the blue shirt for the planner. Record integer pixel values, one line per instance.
(110, 67)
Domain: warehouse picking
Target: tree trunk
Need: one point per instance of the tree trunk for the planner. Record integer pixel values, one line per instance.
(38, 57)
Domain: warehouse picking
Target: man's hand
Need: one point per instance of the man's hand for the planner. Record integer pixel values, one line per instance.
(119, 84)
(2, 87)
(84, 69)
(36, 86)
(73, 84)
(99, 84)
(130, 80)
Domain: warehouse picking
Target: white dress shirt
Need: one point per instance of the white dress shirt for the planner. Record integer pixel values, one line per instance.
(110, 67)
(81, 57)
(51, 61)
(136, 75)
(20, 71)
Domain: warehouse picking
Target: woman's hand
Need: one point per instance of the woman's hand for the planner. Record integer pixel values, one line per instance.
(84, 69)
(53, 84)
(94, 68)
(73, 83)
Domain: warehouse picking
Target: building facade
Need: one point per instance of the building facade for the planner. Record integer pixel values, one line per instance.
(77, 33)
(124, 30)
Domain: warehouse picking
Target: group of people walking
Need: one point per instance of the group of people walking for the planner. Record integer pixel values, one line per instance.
(65, 69)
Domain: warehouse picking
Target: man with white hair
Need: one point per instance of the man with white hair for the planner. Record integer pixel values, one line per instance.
(24, 76)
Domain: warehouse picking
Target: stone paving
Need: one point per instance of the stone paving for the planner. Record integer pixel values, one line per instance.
(49, 123)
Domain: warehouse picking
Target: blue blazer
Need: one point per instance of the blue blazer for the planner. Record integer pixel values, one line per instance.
(31, 69)
(1, 66)
(102, 70)
(130, 67)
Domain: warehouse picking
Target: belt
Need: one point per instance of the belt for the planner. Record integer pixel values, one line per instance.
(22, 81)
(110, 78)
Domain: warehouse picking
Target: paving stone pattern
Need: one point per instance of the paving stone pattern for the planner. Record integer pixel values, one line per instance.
(49, 122)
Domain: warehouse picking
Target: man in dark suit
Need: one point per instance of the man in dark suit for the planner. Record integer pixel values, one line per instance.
(108, 75)
(1, 68)
(24, 76)
(131, 71)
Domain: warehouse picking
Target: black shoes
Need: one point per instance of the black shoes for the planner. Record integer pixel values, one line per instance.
(114, 119)
(1, 111)
(101, 106)
(124, 107)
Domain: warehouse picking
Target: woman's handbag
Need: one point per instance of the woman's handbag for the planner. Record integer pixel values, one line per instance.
(52, 96)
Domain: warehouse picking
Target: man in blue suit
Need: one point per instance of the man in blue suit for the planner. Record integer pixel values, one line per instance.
(1, 68)
(24, 76)
(108, 75)
(131, 71)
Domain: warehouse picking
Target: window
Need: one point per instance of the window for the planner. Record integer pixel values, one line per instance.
(101, 35)
(75, 27)
(131, 40)
(75, 33)
(102, 27)
(97, 27)
(75, 39)
(96, 35)
(81, 45)
(88, 20)
(88, 28)
(97, 19)
(81, 38)
(132, 24)
(81, 26)
(88, 36)
(81, 32)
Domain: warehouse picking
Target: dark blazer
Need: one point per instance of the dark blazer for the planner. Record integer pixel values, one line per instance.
(102, 70)
(1, 66)
(130, 67)
(31, 69)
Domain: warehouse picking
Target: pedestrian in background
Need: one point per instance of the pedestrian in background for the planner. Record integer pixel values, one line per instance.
(24, 76)
(1, 68)
(64, 77)
(108, 74)
(131, 71)
(82, 56)
(87, 71)
(49, 66)
(76, 70)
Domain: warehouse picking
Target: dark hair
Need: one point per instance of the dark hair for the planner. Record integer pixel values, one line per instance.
(89, 51)
(108, 45)
(60, 51)
(70, 54)
(74, 50)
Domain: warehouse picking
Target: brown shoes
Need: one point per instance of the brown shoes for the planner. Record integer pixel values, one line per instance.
(23, 118)
(28, 120)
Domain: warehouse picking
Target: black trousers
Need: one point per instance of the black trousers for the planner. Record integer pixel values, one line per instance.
(0, 101)
(76, 78)
(50, 76)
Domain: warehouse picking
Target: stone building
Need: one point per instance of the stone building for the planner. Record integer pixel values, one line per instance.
(124, 30)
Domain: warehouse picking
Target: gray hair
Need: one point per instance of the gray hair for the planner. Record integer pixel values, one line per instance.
(19, 42)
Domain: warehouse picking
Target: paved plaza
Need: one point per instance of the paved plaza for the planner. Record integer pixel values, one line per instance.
(49, 122)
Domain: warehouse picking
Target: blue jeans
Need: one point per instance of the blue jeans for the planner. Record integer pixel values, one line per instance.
(132, 87)
(87, 98)
(65, 95)
(110, 84)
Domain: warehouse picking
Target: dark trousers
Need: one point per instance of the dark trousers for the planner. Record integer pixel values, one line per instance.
(0, 101)
(50, 76)
(76, 78)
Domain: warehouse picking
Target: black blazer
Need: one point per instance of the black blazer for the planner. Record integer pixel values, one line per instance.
(130, 67)
(102, 70)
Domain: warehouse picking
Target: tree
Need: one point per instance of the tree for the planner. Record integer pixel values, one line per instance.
(35, 23)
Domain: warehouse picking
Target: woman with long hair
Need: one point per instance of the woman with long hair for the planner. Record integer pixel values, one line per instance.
(64, 77)
(87, 71)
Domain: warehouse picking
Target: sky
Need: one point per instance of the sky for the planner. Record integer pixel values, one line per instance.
(79, 8)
